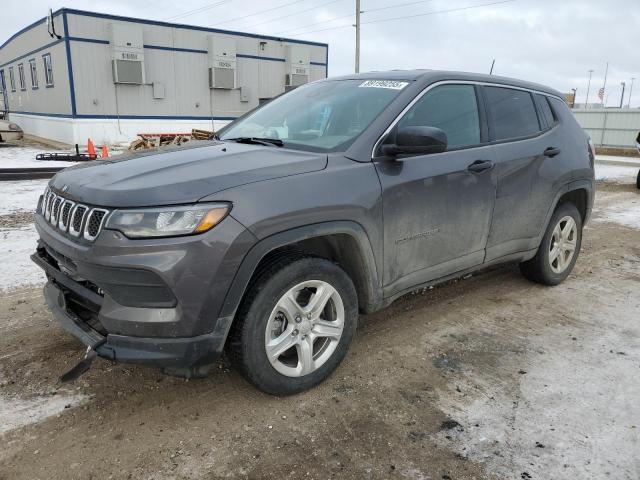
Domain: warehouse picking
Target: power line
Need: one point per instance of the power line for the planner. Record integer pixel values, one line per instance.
(295, 13)
(441, 11)
(352, 14)
(257, 13)
(406, 16)
(317, 23)
(196, 10)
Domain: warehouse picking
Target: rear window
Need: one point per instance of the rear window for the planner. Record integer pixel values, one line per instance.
(546, 115)
(513, 114)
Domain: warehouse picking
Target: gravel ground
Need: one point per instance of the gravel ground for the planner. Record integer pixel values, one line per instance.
(491, 377)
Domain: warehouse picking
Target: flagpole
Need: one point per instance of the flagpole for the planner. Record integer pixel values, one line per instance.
(604, 87)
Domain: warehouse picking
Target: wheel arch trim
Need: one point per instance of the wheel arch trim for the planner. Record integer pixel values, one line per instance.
(587, 185)
(262, 248)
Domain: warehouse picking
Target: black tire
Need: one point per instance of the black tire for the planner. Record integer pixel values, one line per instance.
(246, 345)
(538, 269)
(638, 180)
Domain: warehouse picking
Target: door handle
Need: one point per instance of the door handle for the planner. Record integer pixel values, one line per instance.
(551, 152)
(480, 166)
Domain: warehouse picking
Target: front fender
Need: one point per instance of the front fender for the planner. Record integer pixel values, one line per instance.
(265, 246)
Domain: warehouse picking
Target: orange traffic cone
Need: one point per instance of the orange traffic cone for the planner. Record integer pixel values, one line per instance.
(91, 150)
(105, 152)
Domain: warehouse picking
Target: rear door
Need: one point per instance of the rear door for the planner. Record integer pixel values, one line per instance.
(525, 134)
(436, 209)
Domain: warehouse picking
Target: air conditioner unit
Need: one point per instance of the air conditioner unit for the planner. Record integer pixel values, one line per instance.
(127, 71)
(127, 53)
(297, 64)
(222, 62)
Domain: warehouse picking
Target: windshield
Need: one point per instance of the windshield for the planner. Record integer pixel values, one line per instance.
(322, 117)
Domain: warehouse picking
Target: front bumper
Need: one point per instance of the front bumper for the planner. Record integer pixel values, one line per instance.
(172, 353)
(156, 302)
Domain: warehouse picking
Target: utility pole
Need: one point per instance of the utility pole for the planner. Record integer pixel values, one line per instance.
(575, 92)
(357, 36)
(630, 92)
(586, 102)
(622, 96)
(492, 64)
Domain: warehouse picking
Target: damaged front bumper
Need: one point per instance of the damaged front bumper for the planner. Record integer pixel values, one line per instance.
(176, 355)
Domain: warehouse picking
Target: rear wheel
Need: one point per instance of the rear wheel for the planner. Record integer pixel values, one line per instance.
(295, 325)
(638, 180)
(559, 248)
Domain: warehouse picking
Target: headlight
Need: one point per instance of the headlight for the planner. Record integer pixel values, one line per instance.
(13, 126)
(168, 221)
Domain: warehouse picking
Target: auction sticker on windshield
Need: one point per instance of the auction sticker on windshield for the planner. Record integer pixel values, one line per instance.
(392, 84)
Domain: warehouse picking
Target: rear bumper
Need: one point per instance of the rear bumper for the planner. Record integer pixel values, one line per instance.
(11, 135)
(173, 353)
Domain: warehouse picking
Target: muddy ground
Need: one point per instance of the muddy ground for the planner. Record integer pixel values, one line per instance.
(488, 377)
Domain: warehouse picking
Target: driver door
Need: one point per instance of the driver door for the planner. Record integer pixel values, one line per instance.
(437, 208)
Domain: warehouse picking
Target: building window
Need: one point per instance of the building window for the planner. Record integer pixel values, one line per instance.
(12, 79)
(34, 73)
(48, 70)
(23, 83)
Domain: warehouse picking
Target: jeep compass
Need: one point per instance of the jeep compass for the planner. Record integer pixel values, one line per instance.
(331, 200)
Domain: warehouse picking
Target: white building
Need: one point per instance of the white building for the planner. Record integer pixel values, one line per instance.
(109, 78)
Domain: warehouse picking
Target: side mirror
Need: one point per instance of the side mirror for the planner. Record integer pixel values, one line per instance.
(417, 140)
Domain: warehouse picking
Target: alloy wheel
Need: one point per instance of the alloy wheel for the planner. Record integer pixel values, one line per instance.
(563, 243)
(304, 328)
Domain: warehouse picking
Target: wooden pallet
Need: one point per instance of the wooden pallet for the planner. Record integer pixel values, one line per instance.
(153, 140)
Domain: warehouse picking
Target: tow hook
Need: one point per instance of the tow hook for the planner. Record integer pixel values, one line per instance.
(80, 368)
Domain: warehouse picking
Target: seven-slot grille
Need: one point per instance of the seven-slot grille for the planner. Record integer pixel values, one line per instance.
(71, 217)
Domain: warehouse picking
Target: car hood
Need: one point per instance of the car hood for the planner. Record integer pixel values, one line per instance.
(177, 175)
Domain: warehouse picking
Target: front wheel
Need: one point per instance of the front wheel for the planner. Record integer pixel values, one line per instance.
(295, 325)
(559, 248)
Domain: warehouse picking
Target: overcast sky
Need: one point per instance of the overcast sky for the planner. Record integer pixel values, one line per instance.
(554, 42)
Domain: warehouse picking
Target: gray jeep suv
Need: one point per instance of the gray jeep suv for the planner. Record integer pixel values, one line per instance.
(333, 199)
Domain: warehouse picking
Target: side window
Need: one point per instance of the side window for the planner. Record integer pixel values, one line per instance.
(23, 83)
(34, 73)
(48, 70)
(2, 87)
(451, 108)
(12, 79)
(559, 107)
(513, 114)
(546, 115)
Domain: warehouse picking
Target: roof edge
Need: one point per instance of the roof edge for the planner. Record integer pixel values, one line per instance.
(86, 13)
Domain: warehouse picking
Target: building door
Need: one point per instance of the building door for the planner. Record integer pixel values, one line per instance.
(4, 107)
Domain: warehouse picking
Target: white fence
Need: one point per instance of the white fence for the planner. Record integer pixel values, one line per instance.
(610, 127)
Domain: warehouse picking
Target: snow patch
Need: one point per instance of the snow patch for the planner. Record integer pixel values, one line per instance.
(16, 412)
(25, 157)
(20, 196)
(567, 417)
(616, 173)
(18, 269)
(625, 212)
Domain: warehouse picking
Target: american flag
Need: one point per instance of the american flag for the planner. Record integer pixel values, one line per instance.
(601, 93)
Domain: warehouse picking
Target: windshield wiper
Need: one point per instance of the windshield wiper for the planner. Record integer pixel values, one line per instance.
(258, 141)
